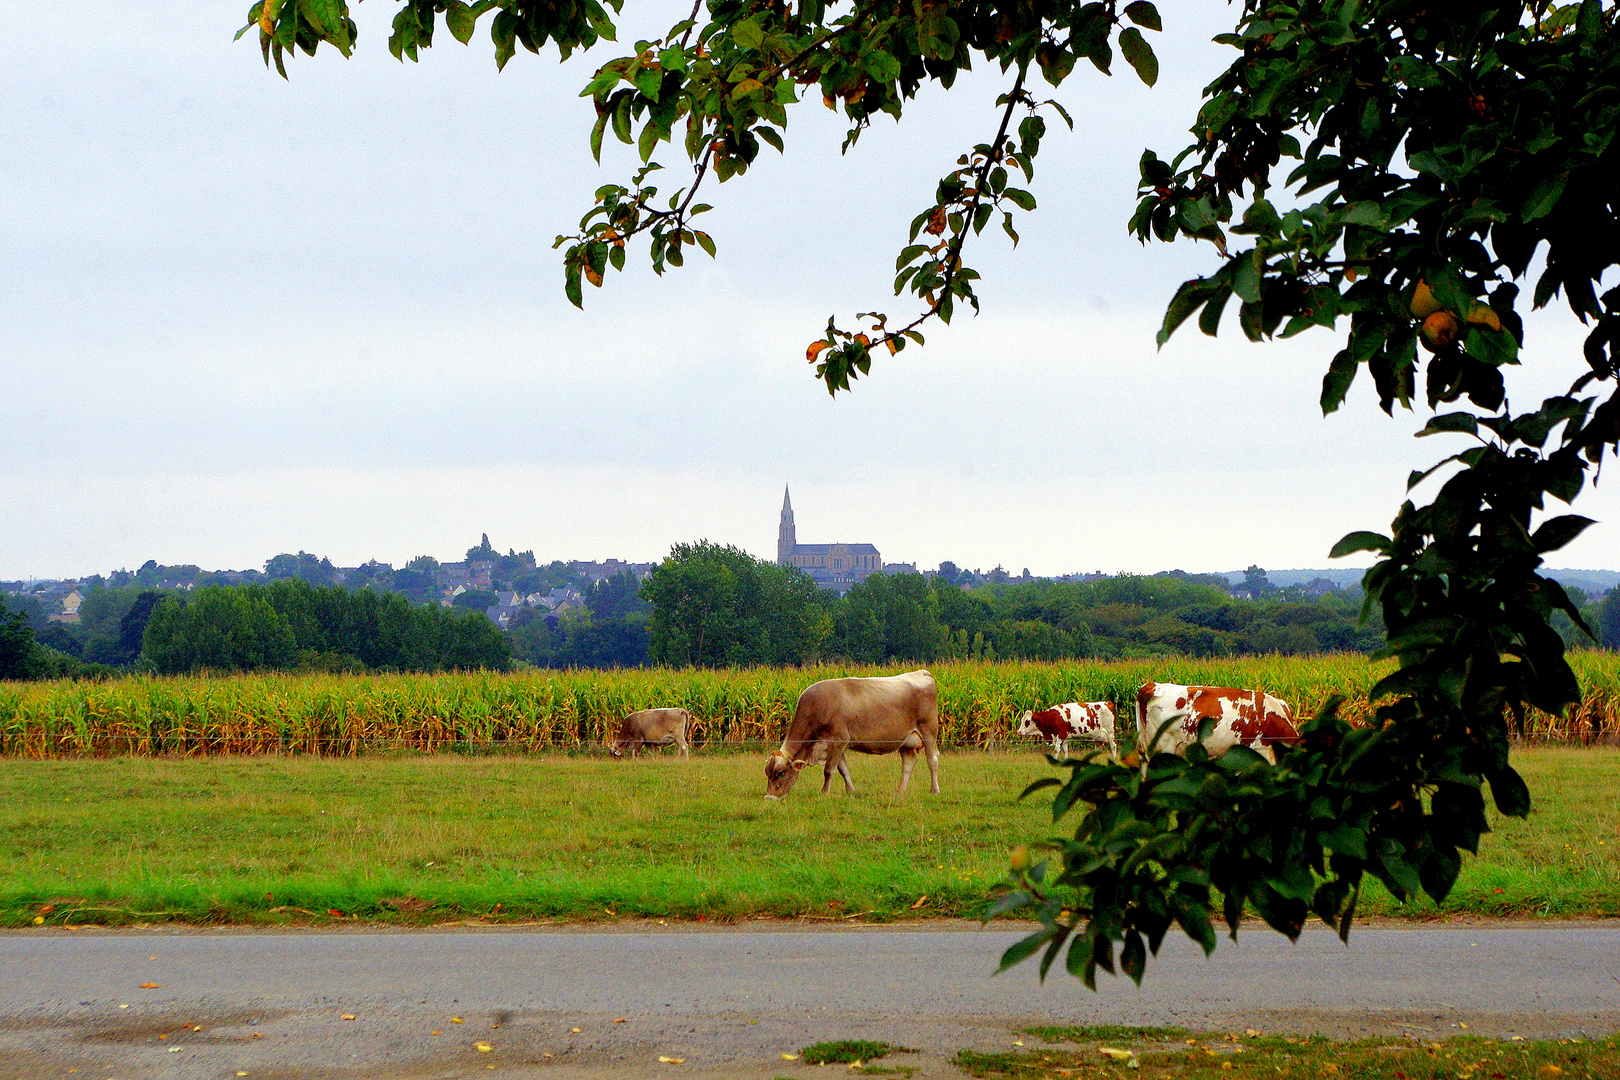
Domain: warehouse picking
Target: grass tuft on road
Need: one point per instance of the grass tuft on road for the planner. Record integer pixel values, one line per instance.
(422, 839)
(1173, 1054)
(850, 1051)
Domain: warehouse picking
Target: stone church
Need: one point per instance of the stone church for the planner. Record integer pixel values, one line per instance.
(833, 566)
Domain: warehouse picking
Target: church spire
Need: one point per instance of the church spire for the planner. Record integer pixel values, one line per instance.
(786, 538)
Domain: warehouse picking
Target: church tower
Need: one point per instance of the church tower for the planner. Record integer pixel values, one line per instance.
(786, 539)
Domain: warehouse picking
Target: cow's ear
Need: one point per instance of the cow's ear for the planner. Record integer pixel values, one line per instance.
(799, 765)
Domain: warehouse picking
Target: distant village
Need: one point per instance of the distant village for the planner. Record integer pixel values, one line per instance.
(508, 586)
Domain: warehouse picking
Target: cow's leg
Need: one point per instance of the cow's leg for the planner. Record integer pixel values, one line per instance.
(931, 752)
(843, 770)
(908, 761)
(835, 764)
(1060, 747)
(680, 741)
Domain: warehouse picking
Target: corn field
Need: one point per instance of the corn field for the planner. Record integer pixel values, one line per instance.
(348, 715)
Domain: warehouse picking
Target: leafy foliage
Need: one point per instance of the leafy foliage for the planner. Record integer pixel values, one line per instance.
(1505, 115)
(1428, 158)
(724, 86)
(716, 606)
(292, 624)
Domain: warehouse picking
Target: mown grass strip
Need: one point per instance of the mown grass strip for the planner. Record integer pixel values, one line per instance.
(1174, 1053)
(420, 839)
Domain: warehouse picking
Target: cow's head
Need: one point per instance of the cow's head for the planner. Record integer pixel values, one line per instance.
(1026, 723)
(780, 772)
(616, 747)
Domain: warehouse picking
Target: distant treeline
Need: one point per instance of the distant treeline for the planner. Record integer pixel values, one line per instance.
(285, 626)
(718, 606)
(706, 605)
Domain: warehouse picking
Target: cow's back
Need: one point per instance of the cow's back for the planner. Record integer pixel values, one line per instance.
(656, 723)
(877, 710)
(1249, 718)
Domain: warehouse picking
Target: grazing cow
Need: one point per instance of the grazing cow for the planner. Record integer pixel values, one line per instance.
(652, 727)
(1251, 718)
(873, 716)
(1091, 722)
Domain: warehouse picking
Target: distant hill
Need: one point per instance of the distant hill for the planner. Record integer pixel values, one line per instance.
(1593, 582)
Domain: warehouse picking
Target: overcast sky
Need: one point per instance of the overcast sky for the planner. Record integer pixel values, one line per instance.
(242, 316)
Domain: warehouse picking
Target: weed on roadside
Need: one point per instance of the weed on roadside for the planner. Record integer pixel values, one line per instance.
(849, 1051)
(1172, 1053)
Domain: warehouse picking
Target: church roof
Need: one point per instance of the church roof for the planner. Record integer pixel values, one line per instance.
(826, 549)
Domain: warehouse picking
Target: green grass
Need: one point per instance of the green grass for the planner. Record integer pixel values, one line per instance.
(1173, 1053)
(849, 1051)
(268, 840)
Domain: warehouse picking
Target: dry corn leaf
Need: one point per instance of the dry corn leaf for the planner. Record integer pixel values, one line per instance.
(671, 1060)
(574, 1030)
(921, 900)
(483, 1047)
(790, 1057)
(151, 986)
(621, 1020)
(348, 1016)
(457, 1020)
(435, 1033)
(1117, 1055)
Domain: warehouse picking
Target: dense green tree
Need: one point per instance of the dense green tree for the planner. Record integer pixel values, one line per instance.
(1608, 619)
(218, 629)
(888, 617)
(317, 570)
(475, 600)
(423, 564)
(18, 653)
(616, 596)
(291, 623)
(719, 606)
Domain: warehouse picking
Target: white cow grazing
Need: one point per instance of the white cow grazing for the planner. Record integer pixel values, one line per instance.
(1092, 721)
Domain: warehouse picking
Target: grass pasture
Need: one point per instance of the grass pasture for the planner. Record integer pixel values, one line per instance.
(426, 838)
(1174, 1054)
(350, 715)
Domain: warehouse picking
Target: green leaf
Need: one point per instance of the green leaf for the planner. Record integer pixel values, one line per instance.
(1454, 423)
(1139, 54)
(747, 33)
(1189, 298)
(461, 21)
(1022, 950)
(1145, 14)
(1336, 383)
(882, 66)
(1544, 197)
(1021, 198)
(1360, 541)
(1556, 532)
(1011, 901)
(1133, 957)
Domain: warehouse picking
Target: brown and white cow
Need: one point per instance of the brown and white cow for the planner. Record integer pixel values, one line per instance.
(872, 716)
(1251, 718)
(652, 727)
(1091, 721)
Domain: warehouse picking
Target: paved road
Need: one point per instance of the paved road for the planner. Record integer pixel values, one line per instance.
(728, 1001)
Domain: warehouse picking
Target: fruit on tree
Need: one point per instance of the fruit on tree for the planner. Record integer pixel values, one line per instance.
(1439, 330)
